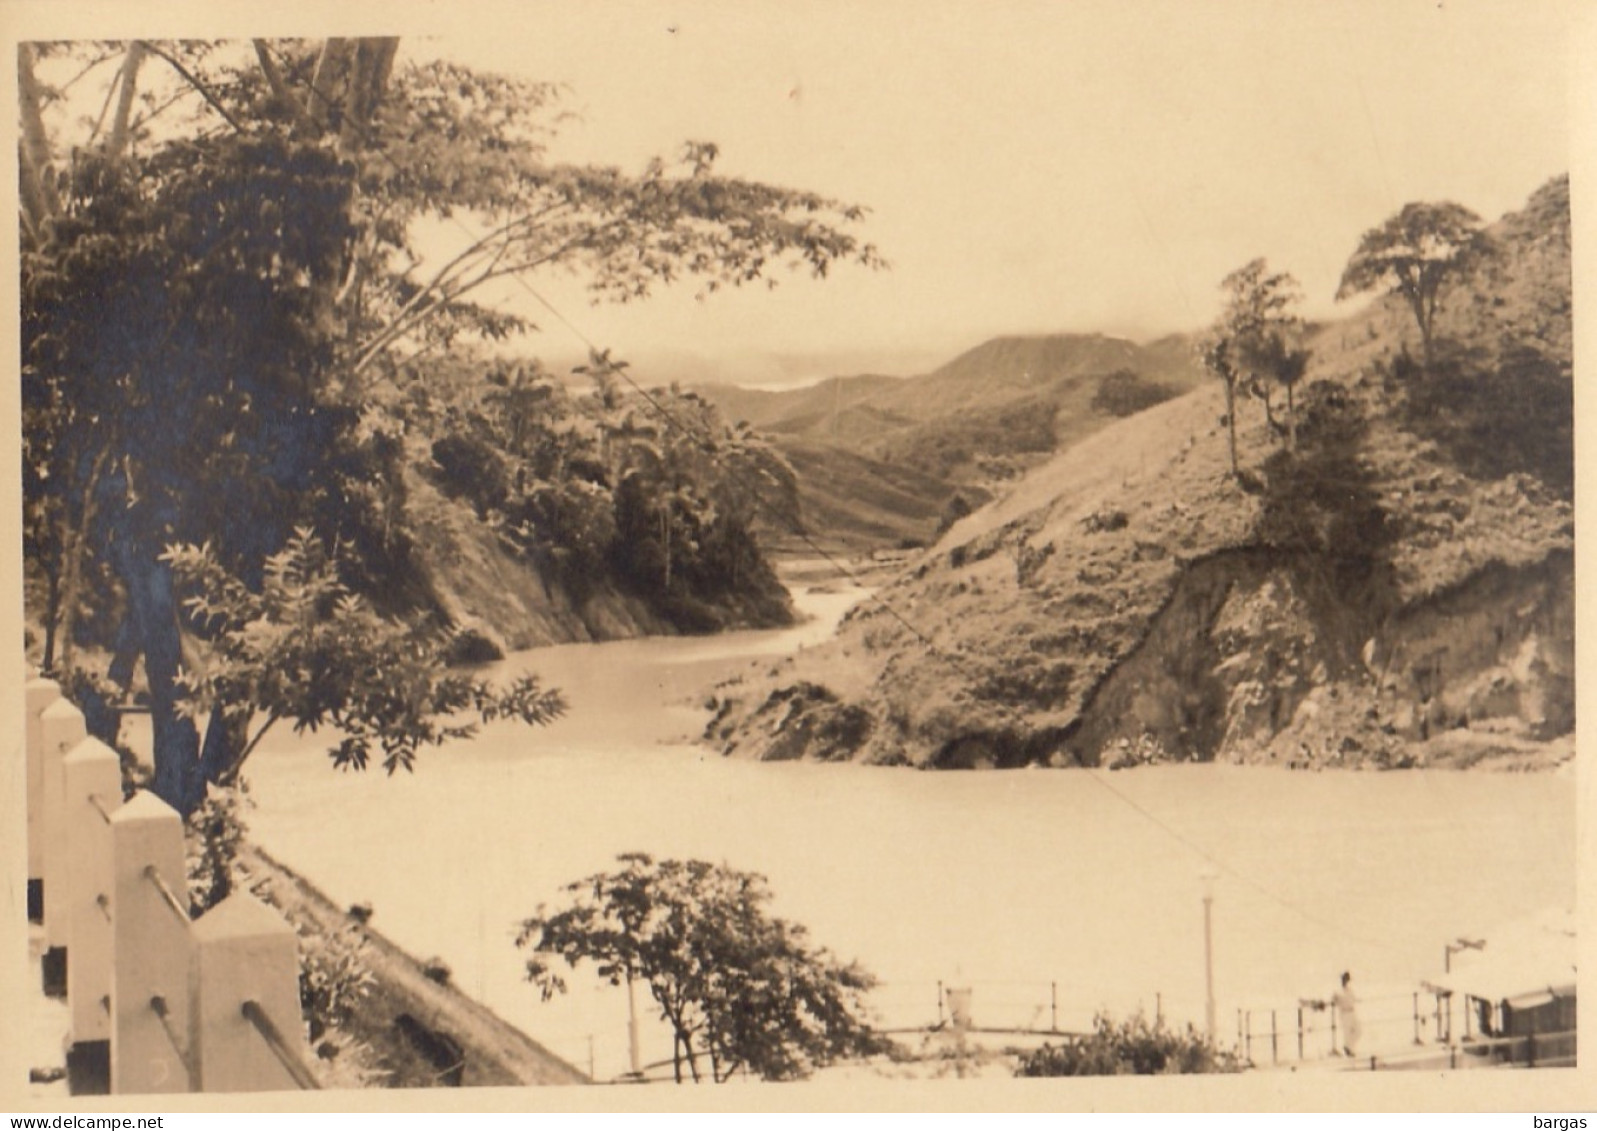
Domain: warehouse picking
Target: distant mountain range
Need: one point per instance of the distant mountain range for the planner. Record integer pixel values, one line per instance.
(882, 459)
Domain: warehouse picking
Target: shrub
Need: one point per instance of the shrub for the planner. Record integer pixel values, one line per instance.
(955, 509)
(333, 979)
(1133, 1047)
(212, 835)
(472, 469)
(1497, 413)
(1103, 521)
(1125, 393)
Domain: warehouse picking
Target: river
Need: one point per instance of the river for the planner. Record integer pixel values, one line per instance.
(1049, 893)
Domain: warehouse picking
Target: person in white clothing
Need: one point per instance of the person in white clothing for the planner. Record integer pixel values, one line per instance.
(1347, 1015)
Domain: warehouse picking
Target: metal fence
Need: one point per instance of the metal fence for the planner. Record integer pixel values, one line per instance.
(1410, 1030)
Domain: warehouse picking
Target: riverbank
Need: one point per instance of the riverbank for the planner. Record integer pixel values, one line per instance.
(1018, 884)
(406, 1025)
(1009, 882)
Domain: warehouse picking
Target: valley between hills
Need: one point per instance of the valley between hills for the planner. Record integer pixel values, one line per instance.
(1396, 590)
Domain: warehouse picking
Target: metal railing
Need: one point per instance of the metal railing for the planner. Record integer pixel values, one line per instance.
(1312, 1029)
(1526, 1050)
(177, 905)
(1421, 1019)
(179, 1049)
(286, 1056)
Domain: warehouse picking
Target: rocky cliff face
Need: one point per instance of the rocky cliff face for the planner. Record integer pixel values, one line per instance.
(489, 595)
(1249, 663)
(501, 603)
(1395, 591)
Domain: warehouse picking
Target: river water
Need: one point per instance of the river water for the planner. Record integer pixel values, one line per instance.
(1050, 894)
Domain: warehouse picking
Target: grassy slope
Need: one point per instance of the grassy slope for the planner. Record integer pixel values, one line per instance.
(765, 407)
(879, 457)
(855, 503)
(1059, 371)
(1023, 609)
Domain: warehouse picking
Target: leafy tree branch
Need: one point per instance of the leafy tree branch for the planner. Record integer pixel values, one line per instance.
(736, 986)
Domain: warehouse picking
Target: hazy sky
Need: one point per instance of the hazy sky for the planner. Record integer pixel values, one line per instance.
(1030, 167)
(1038, 167)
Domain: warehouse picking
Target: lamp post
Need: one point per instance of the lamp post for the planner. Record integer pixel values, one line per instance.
(633, 1050)
(1208, 878)
(1455, 947)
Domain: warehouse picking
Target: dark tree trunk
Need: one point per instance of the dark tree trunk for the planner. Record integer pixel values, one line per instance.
(178, 780)
(52, 612)
(1231, 422)
(74, 549)
(124, 653)
(222, 750)
(1291, 420)
(1424, 315)
(152, 604)
(1263, 389)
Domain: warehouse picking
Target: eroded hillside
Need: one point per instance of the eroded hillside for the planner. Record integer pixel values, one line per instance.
(1396, 591)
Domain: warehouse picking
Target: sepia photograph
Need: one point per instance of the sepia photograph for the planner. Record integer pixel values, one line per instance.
(678, 556)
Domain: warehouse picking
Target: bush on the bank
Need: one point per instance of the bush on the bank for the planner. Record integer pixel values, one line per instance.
(333, 979)
(1134, 1046)
(212, 836)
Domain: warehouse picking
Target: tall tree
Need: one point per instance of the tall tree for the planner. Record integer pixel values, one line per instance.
(1415, 254)
(1265, 333)
(217, 300)
(1216, 351)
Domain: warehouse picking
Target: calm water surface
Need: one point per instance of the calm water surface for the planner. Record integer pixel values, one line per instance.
(1027, 886)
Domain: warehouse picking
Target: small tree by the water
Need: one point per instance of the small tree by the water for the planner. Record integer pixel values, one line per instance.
(738, 988)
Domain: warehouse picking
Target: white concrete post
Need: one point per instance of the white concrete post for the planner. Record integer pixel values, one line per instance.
(245, 952)
(61, 728)
(151, 1048)
(37, 695)
(93, 776)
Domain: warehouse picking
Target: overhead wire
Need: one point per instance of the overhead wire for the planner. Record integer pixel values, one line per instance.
(956, 662)
(932, 649)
